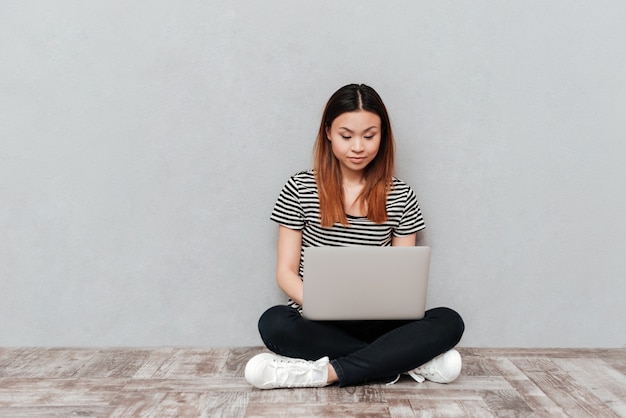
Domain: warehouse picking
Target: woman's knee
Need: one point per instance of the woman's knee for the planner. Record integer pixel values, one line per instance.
(451, 320)
(274, 321)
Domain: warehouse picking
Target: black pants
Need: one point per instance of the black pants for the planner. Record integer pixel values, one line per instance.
(362, 351)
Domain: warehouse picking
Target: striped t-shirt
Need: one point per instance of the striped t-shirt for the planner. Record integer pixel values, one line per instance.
(298, 207)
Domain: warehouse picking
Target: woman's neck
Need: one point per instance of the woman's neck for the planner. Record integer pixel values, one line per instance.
(352, 179)
(352, 187)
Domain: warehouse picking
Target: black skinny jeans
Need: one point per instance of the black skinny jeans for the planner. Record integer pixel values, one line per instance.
(362, 351)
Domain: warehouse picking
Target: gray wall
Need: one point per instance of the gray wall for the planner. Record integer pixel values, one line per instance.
(143, 145)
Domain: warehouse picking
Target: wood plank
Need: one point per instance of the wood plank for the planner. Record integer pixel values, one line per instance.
(563, 389)
(114, 363)
(182, 363)
(226, 404)
(445, 408)
(344, 410)
(15, 392)
(609, 385)
(55, 411)
(534, 397)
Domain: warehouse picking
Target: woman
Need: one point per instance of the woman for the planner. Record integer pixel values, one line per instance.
(350, 198)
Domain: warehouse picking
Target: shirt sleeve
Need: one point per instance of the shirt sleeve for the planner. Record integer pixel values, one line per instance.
(411, 220)
(288, 210)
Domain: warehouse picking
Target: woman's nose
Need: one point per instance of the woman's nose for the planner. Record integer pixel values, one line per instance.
(357, 145)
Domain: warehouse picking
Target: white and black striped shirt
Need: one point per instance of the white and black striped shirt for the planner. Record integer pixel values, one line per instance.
(298, 207)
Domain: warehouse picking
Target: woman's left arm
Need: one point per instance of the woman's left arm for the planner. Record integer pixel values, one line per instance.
(406, 241)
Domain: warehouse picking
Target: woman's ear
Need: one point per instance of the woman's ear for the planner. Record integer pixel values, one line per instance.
(328, 133)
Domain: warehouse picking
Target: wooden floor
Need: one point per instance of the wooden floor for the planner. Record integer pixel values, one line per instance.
(188, 382)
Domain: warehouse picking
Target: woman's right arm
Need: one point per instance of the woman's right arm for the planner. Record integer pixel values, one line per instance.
(288, 262)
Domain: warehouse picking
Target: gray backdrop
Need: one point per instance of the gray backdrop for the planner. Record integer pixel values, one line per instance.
(143, 145)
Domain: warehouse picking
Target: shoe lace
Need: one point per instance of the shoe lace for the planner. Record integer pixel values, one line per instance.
(288, 370)
(421, 373)
(393, 382)
(414, 375)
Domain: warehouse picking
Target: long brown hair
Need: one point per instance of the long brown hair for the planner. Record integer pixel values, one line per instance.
(378, 174)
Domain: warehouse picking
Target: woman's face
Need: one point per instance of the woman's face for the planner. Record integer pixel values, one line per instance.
(355, 140)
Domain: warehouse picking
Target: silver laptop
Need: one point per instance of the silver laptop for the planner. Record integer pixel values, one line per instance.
(365, 282)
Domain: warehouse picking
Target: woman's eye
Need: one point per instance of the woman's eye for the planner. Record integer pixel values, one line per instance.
(345, 137)
(369, 137)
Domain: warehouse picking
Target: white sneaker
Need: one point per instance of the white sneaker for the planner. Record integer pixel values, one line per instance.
(444, 368)
(269, 371)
